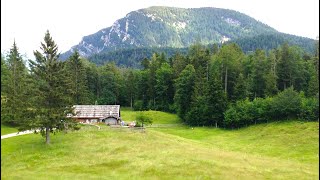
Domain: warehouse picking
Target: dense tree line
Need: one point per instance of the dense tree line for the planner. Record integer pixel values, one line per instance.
(208, 86)
(131, 57)
(209, 82)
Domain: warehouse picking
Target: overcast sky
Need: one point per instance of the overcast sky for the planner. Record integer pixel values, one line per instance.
(68, 21)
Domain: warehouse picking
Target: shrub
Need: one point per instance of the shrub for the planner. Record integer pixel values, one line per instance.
(143, 119)
(240, 114)
(286, 104)
(245, 112)
(260, 110)
(309, 109)
(231, 118)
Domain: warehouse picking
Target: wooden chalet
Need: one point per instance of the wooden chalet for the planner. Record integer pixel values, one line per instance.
(109, 114)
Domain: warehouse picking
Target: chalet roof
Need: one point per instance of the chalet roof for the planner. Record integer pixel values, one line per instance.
(96, 111)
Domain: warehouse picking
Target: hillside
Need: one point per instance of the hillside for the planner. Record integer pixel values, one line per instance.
(132, 57)
(286, 150)
(162, 27)
(171, 27)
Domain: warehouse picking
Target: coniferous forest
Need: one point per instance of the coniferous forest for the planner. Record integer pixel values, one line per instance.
(216, 85)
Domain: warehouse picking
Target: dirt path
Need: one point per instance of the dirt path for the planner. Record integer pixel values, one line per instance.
(16, 134)
(29, 132)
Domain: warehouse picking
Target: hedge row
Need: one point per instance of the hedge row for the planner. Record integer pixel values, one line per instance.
(288, 104)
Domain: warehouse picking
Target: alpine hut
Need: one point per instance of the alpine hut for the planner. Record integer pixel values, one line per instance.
(109, 114)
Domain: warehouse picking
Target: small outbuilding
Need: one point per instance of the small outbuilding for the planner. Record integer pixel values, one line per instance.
(109, 114)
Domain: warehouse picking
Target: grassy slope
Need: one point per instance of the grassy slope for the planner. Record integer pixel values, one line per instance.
(259, 152)
(7, 130)
(294, 140)
(158, 117)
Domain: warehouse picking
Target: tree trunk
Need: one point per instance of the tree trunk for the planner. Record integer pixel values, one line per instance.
(216, 125)
(207, 71)
(47, 135)
(225, 80)
(131, 101)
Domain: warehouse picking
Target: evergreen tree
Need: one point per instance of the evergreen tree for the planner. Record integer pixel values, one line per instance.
(217, 100)
(316, 57)
(145, 63)
(199, 58)
(78, 83)
(4, 76)
(198, 115)
(178, 64)
(142, 89)
(164, 87)
(110, 85)
(155, 63)
(184, 90)
(284, 68)
(229, 59)
(52, 103)
(240, 88)
(15, 87)
(271, 77)
(130, 86)
(93, 80)
(271, 84)
(259, 70)
(4, 85)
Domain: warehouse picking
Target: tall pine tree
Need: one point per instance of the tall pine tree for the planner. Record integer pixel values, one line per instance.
(52, 103)
(184, 90)
(15, 87)
(217, 100)
(78, 83)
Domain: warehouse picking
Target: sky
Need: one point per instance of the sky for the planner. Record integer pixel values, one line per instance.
(26, 21)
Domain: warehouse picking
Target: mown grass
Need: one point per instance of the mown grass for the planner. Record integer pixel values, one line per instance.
(167, 153)
(7, 129)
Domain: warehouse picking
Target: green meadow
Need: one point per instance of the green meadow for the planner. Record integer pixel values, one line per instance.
(7, 129)
(278, 150)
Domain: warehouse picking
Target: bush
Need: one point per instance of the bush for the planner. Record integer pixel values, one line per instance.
(231, 118)
(286, 104)
(143, 119)
(240, 114)
(244, 112)
(261, 110)
(309, 109)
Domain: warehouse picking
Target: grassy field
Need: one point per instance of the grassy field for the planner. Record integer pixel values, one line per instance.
(157, 117)
(288, 150)
(7, 130)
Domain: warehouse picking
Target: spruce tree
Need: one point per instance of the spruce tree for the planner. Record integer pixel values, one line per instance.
(4, 76)
(78, 83)
(52, 102)
(259, 70)
(284, 67)
(15, 87)
(184, 89)
(164, 87)
(217, 100)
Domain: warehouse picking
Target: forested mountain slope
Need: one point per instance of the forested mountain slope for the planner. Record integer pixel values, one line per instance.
(168, 27)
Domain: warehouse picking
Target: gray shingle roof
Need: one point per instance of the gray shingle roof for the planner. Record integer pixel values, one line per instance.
(96, 111)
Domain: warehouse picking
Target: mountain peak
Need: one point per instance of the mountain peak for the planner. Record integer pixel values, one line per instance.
(162, 26)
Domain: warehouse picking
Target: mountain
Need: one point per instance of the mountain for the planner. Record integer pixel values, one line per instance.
(163, 27)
